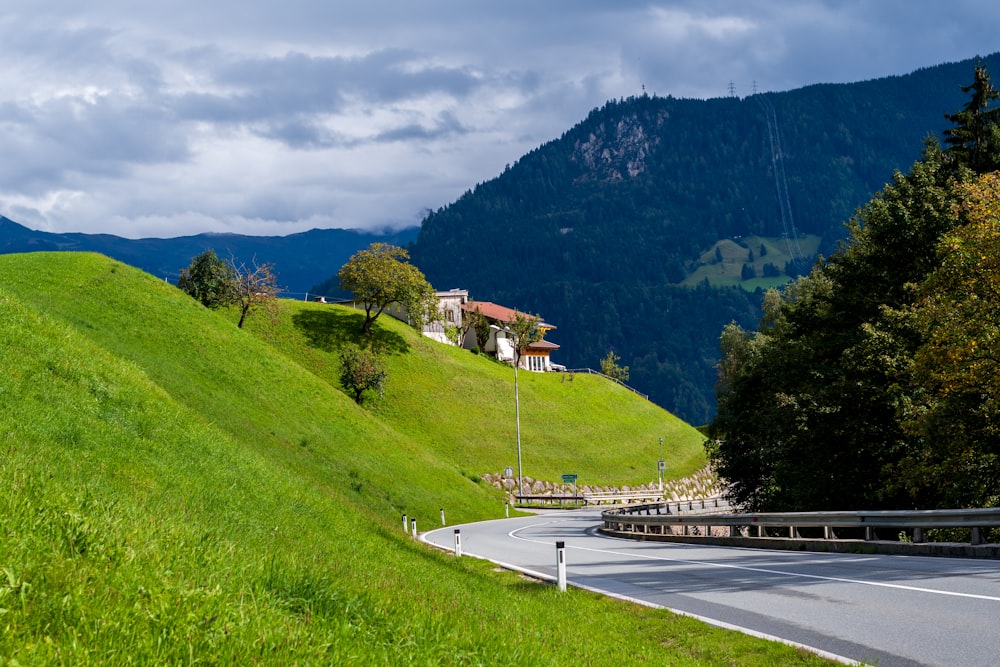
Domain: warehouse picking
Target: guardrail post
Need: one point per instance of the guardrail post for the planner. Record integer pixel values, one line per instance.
(458, 543)
(561, 565)
(869, 534)
(977, 535)
(918, 535)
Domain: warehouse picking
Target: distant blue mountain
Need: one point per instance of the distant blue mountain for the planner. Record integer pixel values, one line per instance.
(300, 260)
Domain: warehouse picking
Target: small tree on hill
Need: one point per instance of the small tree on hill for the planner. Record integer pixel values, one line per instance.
(525, 331)
(610, 367)
(479, 323)
(210, 280)
(361, 370)
(255, 287)
(379, 276)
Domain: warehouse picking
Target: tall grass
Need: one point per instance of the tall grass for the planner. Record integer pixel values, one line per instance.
(173, 491)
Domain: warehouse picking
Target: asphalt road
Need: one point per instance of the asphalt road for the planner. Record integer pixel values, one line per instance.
(884, 610)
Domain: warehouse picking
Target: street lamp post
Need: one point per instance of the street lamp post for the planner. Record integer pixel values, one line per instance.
(508, 332)
(517, 415)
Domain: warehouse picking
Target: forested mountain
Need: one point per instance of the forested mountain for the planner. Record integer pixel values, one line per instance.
(599, 229)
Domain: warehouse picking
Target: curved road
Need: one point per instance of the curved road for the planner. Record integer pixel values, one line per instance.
(885, 610)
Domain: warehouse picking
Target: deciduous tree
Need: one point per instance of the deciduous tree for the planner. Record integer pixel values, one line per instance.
(379, 276)
(611, 368)
(475, 321)
(361, 370)
(524, 329)
(255, 288)
(209, 279)
(810, 404)
(957, 413)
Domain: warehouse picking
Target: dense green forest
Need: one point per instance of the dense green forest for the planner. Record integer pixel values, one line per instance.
(600, 230)
(872, 382)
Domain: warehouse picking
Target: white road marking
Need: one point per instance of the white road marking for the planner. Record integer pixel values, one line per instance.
(918, 589)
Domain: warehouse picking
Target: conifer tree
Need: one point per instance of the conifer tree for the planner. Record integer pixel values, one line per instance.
(975, 139)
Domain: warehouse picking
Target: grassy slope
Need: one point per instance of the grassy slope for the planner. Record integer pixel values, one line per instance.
(461, 406)
(171, 490)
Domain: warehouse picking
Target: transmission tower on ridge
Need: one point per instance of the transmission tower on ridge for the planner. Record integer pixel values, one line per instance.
(780, 182)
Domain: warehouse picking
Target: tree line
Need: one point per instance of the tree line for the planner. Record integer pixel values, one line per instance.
(872, 382)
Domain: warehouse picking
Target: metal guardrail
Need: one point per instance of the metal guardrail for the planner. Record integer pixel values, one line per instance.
(591, 371)
(632, 497)
(654, 519)
(550, 499)
(621, 498)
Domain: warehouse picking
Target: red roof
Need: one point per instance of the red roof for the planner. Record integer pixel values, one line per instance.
(499, 313)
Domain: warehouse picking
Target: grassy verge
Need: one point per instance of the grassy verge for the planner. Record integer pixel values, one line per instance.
(172, 491)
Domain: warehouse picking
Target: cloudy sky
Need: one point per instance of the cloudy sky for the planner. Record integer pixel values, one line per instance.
(143, 118)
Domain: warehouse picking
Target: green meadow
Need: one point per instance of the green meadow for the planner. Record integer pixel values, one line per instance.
(174, 490)
(722, 264)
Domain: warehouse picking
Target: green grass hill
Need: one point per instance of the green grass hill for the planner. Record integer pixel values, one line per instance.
(176, 490)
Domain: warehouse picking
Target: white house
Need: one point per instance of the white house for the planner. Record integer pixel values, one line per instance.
(455, 303)
(536, 356)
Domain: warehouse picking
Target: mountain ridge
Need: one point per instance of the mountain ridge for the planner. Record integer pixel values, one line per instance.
(602, 229)
(604, 224)
(301, 259)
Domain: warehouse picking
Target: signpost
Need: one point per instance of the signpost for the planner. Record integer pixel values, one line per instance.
(570, 479)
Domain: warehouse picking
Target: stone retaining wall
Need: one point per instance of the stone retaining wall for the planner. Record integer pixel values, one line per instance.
(702, 484)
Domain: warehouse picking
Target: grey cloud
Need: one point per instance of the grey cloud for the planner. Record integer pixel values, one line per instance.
(283, 98)
(445, 125)
(49, 143)
(146, 108)
(321, 82)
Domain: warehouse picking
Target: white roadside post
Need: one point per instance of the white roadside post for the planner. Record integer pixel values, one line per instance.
(458, 543)
(406, 525)
(413, 525)
(561, 565)
(442, 517)
(661, 467)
